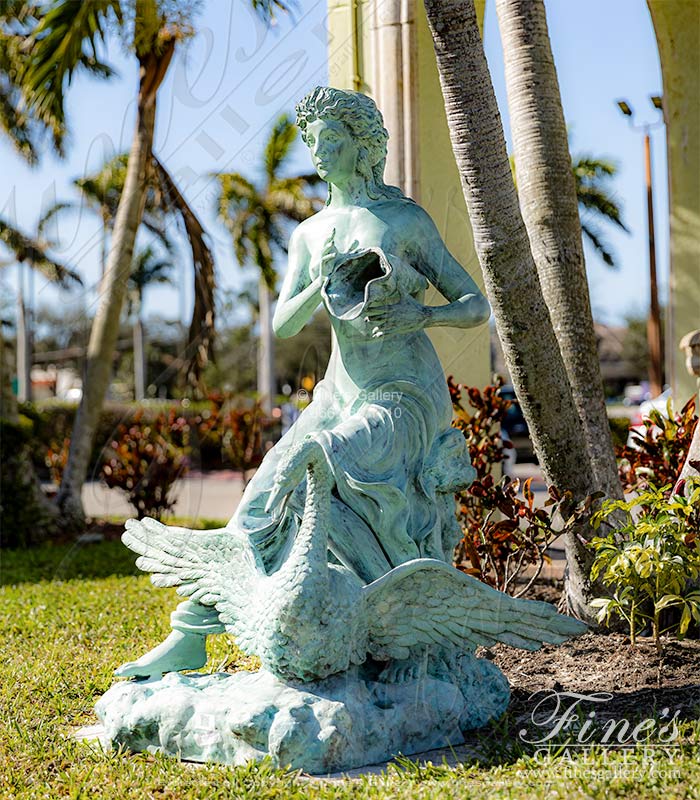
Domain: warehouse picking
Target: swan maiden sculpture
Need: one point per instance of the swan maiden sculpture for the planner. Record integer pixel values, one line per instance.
(311, 619)
(367, 644)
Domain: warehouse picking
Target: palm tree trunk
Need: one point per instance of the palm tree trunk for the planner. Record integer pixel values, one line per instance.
(529, 343)
(24, 356)
(139, 341)
(547, 193)
(266, 349)
(105, 327)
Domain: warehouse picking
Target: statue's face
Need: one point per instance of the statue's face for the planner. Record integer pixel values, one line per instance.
(333, 150)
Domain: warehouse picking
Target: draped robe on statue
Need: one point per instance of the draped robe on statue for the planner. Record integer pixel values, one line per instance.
(382, 415)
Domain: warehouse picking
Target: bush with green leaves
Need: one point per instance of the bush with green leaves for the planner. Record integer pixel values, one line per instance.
(650, 561)
(235, 435)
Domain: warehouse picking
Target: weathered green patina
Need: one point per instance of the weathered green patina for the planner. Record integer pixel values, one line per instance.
(335, 569)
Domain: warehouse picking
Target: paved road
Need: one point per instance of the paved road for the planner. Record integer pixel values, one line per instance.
(213, 495)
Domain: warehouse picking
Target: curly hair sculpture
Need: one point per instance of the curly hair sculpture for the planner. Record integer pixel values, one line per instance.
(360, 115)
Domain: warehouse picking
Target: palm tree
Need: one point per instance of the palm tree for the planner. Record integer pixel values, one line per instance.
(255, 217)
(100, 193)
(64, 40)
(148, 268)
(26, 516)
(529, 343)
(33, 254)
(65, 32)
(25, 128)
(550, 209)
(596, 204)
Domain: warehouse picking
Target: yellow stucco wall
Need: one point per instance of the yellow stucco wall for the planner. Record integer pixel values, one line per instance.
(464, 354)
(677, 27)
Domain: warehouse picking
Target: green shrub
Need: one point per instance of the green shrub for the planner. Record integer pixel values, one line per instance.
(651, 560)
(224, 433)
(25, 514)
(234, 435)
(619, 429)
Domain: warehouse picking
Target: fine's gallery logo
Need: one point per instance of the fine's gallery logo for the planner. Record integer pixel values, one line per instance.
(561, 719)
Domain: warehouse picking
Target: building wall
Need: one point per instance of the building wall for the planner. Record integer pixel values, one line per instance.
(385, 49)
(677, 27)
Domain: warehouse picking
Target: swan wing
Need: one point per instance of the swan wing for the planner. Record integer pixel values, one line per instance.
(215, 567)
(428, 602)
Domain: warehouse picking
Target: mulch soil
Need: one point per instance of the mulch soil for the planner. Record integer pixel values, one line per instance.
(640, 682)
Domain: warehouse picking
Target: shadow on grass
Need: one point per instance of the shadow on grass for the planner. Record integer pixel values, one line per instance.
(64, 562)
(76, 560)
(515, 738)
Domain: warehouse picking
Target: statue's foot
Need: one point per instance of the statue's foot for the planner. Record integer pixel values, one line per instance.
(179, 651)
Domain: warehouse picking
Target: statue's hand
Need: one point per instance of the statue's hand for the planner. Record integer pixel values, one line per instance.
(330, 254)
(291, 471)
(404, 316)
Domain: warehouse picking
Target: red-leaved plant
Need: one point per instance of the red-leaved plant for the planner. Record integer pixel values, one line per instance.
(504, 534)
(656, 454)
(237, 432)
(145, 459)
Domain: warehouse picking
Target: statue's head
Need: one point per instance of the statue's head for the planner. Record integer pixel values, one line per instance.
(346, 136)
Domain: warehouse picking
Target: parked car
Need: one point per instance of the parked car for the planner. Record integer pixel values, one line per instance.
(515, 427)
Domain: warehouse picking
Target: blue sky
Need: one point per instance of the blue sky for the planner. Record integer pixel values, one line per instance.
(233, 78)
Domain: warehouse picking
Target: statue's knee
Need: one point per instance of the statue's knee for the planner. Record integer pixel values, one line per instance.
(191, 617)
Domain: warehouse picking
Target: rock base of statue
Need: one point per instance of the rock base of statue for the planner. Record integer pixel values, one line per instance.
(344, 721)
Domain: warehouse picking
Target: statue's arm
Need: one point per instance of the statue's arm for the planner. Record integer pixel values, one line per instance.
(467, 306)
(300, 295)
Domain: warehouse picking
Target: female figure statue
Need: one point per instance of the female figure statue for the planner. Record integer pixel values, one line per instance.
(382, 412)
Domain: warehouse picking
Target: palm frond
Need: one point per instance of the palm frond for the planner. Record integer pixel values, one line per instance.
(288, 196)
(600, 202)
(277, 237)
(265, 9)
(238, 227)
(65, 39)
(21, 126)
(282, 137)
(591, 167)
(149, 268)
(56, 210)
(236, 190)
(201, 330)
(34, 253)
(18, 126)
(601, 247)
(103, 188)
(153, 221)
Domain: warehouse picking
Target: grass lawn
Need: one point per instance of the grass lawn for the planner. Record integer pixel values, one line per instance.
(70, 614)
